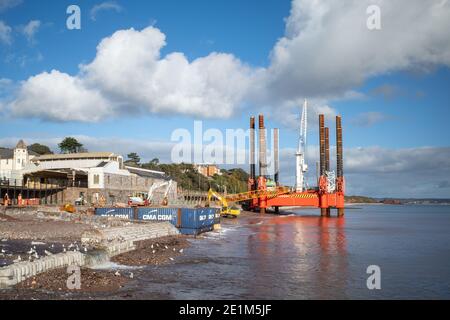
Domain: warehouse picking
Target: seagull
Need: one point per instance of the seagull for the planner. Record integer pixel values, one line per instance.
(166, 247)
(171, 259)
(181, 250)
(48, 253)
(131, 275)
(3, 250)
(31, 251)
(153, 251)
(85, 249)
(18, 259)
(64, 250)
(151, 246)
(117, 274)
(36, 255)
(53, 246)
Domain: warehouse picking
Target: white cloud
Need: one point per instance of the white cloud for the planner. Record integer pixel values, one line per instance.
(328, 49)
(5, 33)
(128, 74)
(326, 52)
(59, 97)
(7, 4)
(104, 6)
(30, 29)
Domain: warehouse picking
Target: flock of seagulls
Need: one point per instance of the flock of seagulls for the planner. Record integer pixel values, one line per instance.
(74, 246)
(33, 252)
(166, 248)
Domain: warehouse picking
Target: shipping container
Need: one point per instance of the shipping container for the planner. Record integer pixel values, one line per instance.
(198, 218)
(123, 213)
(158, 214)
(188, 220)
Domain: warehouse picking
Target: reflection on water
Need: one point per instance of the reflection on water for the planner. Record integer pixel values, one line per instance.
(302, 250)
(305, 256)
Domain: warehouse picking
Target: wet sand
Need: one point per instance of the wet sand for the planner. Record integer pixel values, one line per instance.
(154, 252)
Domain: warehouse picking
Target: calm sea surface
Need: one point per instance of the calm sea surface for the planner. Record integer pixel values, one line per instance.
(304, 256)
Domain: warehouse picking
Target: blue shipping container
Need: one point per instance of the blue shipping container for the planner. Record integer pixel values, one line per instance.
(158, 214)
(123, 213)
(193, 220)
(198, 218)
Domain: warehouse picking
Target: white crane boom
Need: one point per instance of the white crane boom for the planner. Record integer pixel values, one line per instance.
(158, 185)
(301, 166)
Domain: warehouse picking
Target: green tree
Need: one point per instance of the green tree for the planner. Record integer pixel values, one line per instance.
(133, 158)
(40, 149)
(70, 145)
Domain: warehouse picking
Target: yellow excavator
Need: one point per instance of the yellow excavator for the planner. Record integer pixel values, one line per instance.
(228, 212)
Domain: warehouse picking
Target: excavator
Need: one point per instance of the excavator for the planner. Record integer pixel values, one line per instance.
(228, 212)
(167, 184)
(138, 201)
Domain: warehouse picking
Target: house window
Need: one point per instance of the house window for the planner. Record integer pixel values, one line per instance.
(96, 179)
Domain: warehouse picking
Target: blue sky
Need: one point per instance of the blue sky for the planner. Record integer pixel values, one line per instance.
(397, 106)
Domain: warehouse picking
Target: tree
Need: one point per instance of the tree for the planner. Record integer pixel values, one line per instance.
(133, 158)
(70, 145)
(40, 149)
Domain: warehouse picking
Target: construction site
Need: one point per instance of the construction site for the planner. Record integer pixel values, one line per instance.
(97, 191)
(102, 179)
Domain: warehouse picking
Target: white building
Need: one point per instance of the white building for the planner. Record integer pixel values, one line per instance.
(93, 173)
(13, 161)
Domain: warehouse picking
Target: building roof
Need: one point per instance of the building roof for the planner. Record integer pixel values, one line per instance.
(21, 145)
(102, 164)
(148, 173)
(6, 153)
(74, 156)
(57, 173)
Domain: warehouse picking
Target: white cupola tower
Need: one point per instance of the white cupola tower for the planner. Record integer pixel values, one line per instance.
(20, 156)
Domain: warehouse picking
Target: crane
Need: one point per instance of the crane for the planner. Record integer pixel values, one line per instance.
(301, 166)
(139, 201)
(158, 185)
